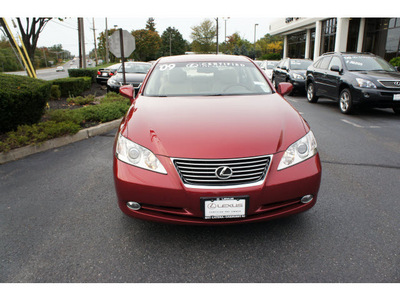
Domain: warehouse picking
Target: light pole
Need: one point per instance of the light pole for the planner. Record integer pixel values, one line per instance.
(217, 36)
(225, 19)
(255, 28)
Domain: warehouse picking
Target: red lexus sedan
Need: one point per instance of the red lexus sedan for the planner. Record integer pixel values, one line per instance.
(208, 140)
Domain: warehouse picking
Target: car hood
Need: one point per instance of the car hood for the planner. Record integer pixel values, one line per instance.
(300, 72)
(378, 75)
(214, 127)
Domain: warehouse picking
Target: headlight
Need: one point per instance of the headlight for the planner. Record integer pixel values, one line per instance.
(297, 76)
(136, 155)
(299, 151)
(363, 83)
(112, 82)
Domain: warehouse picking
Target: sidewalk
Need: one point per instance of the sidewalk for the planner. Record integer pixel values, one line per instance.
(22, 152)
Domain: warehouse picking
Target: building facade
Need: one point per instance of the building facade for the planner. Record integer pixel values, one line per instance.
(312, 37)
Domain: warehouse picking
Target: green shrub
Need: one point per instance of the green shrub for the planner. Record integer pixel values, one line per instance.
(90, 72)
(107, 111)
(71, 87)
(271, 56)
(36, 134)
(55, 92)
(22, 100)
(395, 61)
(81, 100)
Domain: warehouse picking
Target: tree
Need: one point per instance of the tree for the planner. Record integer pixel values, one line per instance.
(150, 25)
(148, 44)
(30, 33)
(203, 37)
(172, 42)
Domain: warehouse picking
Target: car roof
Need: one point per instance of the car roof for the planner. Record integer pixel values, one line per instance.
(203, 57)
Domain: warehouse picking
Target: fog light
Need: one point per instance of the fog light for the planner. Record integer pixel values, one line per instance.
(307, 199)
(366, 95)
(133, 205)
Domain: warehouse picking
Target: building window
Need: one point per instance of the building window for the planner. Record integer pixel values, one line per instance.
(297, 45)
(328, 35)
(352, 38)
(312, 44)
(382, 37)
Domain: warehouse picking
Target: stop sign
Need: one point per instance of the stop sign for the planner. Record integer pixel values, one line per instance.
(128, 43)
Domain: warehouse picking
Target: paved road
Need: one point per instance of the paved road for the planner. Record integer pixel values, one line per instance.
(51, 73)
(59, 220)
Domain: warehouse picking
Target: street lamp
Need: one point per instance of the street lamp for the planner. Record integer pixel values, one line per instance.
(255, 28)
(225, 19)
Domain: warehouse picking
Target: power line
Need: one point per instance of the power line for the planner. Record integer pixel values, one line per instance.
(63, 25)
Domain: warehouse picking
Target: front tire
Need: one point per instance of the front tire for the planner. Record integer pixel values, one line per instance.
(311, 97)
(346, 104)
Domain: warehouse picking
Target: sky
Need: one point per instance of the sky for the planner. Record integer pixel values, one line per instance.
(183, 15)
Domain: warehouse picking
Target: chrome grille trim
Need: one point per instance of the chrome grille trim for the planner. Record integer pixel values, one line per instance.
(389, 83)
(201, 173)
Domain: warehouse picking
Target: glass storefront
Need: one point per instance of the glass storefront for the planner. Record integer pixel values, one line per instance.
(328, 35)
(352, 38)
(297, 45)
(382, 37)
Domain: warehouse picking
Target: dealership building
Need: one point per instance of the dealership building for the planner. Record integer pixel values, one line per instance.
(311, 37)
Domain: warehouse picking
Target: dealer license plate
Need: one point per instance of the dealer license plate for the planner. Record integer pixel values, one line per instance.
(225, 207)
(396, 97)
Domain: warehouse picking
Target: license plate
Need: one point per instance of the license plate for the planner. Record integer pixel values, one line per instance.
(396, 97)
(225, 207)
(104, 74)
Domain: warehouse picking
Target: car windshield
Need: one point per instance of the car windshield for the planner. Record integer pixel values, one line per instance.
(367, 63)
(271, 64)
(206, 79)
(135, 68)
(297, 64)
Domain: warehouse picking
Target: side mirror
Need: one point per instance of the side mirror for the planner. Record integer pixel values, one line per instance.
(127, 91)
(335, 69)
(284, 88)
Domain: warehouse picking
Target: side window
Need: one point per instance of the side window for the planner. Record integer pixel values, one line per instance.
(317, 63)
(335, 62)
(286, 64)
(325, 63)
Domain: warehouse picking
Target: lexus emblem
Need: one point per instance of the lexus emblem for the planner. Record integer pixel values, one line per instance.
(223, 172)
(397, 83)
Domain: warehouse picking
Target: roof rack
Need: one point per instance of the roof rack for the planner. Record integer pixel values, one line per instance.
(344, 52)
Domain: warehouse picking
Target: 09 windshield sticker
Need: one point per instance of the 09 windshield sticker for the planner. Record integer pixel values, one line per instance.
(166, 67)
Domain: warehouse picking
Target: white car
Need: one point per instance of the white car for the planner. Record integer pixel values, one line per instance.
(60, 69)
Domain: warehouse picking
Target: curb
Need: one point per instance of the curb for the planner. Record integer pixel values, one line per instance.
(83, 134)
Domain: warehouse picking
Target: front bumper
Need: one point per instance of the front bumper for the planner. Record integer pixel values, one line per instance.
(298, 84)
(375, 97)
(164, 198)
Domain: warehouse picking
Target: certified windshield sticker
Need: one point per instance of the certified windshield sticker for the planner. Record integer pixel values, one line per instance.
(214, 64)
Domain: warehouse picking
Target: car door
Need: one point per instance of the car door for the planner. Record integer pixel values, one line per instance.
(333, 77)
(320, 76)
(279, 74)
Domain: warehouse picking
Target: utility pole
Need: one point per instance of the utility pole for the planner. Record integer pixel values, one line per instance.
(95, 47)
(82, 53)
(80, 41)
(217, 36)
(107, 55)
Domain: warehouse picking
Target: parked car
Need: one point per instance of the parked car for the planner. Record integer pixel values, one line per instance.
(104, 74)
(268, 67)
(135, 72)
(60, 69)
(293, 71)
(354, 79)
(209, 141)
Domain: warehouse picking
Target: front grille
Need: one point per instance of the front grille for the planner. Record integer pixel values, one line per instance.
(390, 83)
(222, 172)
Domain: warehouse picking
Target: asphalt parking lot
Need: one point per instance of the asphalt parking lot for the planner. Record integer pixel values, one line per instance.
(59, 219)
